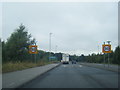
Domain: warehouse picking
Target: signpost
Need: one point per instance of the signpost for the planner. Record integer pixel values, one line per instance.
(33, 50)
(52, 58)
(106, 48)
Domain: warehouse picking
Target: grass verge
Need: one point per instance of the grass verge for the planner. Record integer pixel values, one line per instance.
(15, 66)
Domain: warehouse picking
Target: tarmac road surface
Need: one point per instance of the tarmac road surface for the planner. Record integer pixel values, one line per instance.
(75, 76)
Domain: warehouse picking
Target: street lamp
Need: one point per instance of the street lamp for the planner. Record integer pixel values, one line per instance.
(104, 43)
(50, 45)
(56, 52)
(56, 49)
(98, 49)
(108, 42)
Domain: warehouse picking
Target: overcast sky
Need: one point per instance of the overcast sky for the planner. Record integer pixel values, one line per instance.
(78, 28)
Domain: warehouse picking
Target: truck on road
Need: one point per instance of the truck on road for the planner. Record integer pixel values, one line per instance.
(65, 58)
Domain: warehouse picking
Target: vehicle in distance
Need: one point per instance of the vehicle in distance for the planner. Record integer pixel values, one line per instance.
(73, 62)
(65, 58)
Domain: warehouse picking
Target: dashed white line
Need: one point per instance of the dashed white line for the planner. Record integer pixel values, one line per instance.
(80, 65)
(64, 65)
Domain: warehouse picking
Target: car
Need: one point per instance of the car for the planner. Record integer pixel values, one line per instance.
(73, 62)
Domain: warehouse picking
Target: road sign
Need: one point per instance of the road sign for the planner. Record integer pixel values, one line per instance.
(33, 49)
(52, 57)
(106, 48)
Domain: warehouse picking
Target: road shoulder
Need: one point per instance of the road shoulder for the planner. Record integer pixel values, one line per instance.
(114, 68)
(18, 78)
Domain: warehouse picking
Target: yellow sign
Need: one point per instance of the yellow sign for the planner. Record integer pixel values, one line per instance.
(33, 49)
(106, 48)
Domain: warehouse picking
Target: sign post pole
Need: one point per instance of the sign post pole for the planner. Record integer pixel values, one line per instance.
(108, 53)
(104, 59)
(33, 50)
(106, 48)
(35, 58)
(108, 60)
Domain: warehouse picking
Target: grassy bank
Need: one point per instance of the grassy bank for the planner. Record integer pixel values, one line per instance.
(100, 63)
(15, 66)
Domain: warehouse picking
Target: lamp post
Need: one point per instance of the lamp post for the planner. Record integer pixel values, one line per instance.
(56, 52)
(98, 49)
(50, 45)
(56, 49)
(108, 42)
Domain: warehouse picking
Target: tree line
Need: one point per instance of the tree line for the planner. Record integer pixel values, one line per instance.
(16, 48)
(100, 58)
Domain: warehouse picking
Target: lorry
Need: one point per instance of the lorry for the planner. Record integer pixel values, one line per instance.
(65, 58)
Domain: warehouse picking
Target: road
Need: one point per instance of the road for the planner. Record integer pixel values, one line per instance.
(75, 76)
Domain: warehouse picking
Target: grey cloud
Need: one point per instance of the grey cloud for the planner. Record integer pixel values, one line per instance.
(76, 27)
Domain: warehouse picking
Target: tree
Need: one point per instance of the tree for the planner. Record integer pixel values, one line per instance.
(3, 50)
(116, 56)
(59, 56)
(0, 46)
(17, 44)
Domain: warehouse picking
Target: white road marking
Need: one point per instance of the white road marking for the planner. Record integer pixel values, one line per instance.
(80, 65)
(64, 65)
